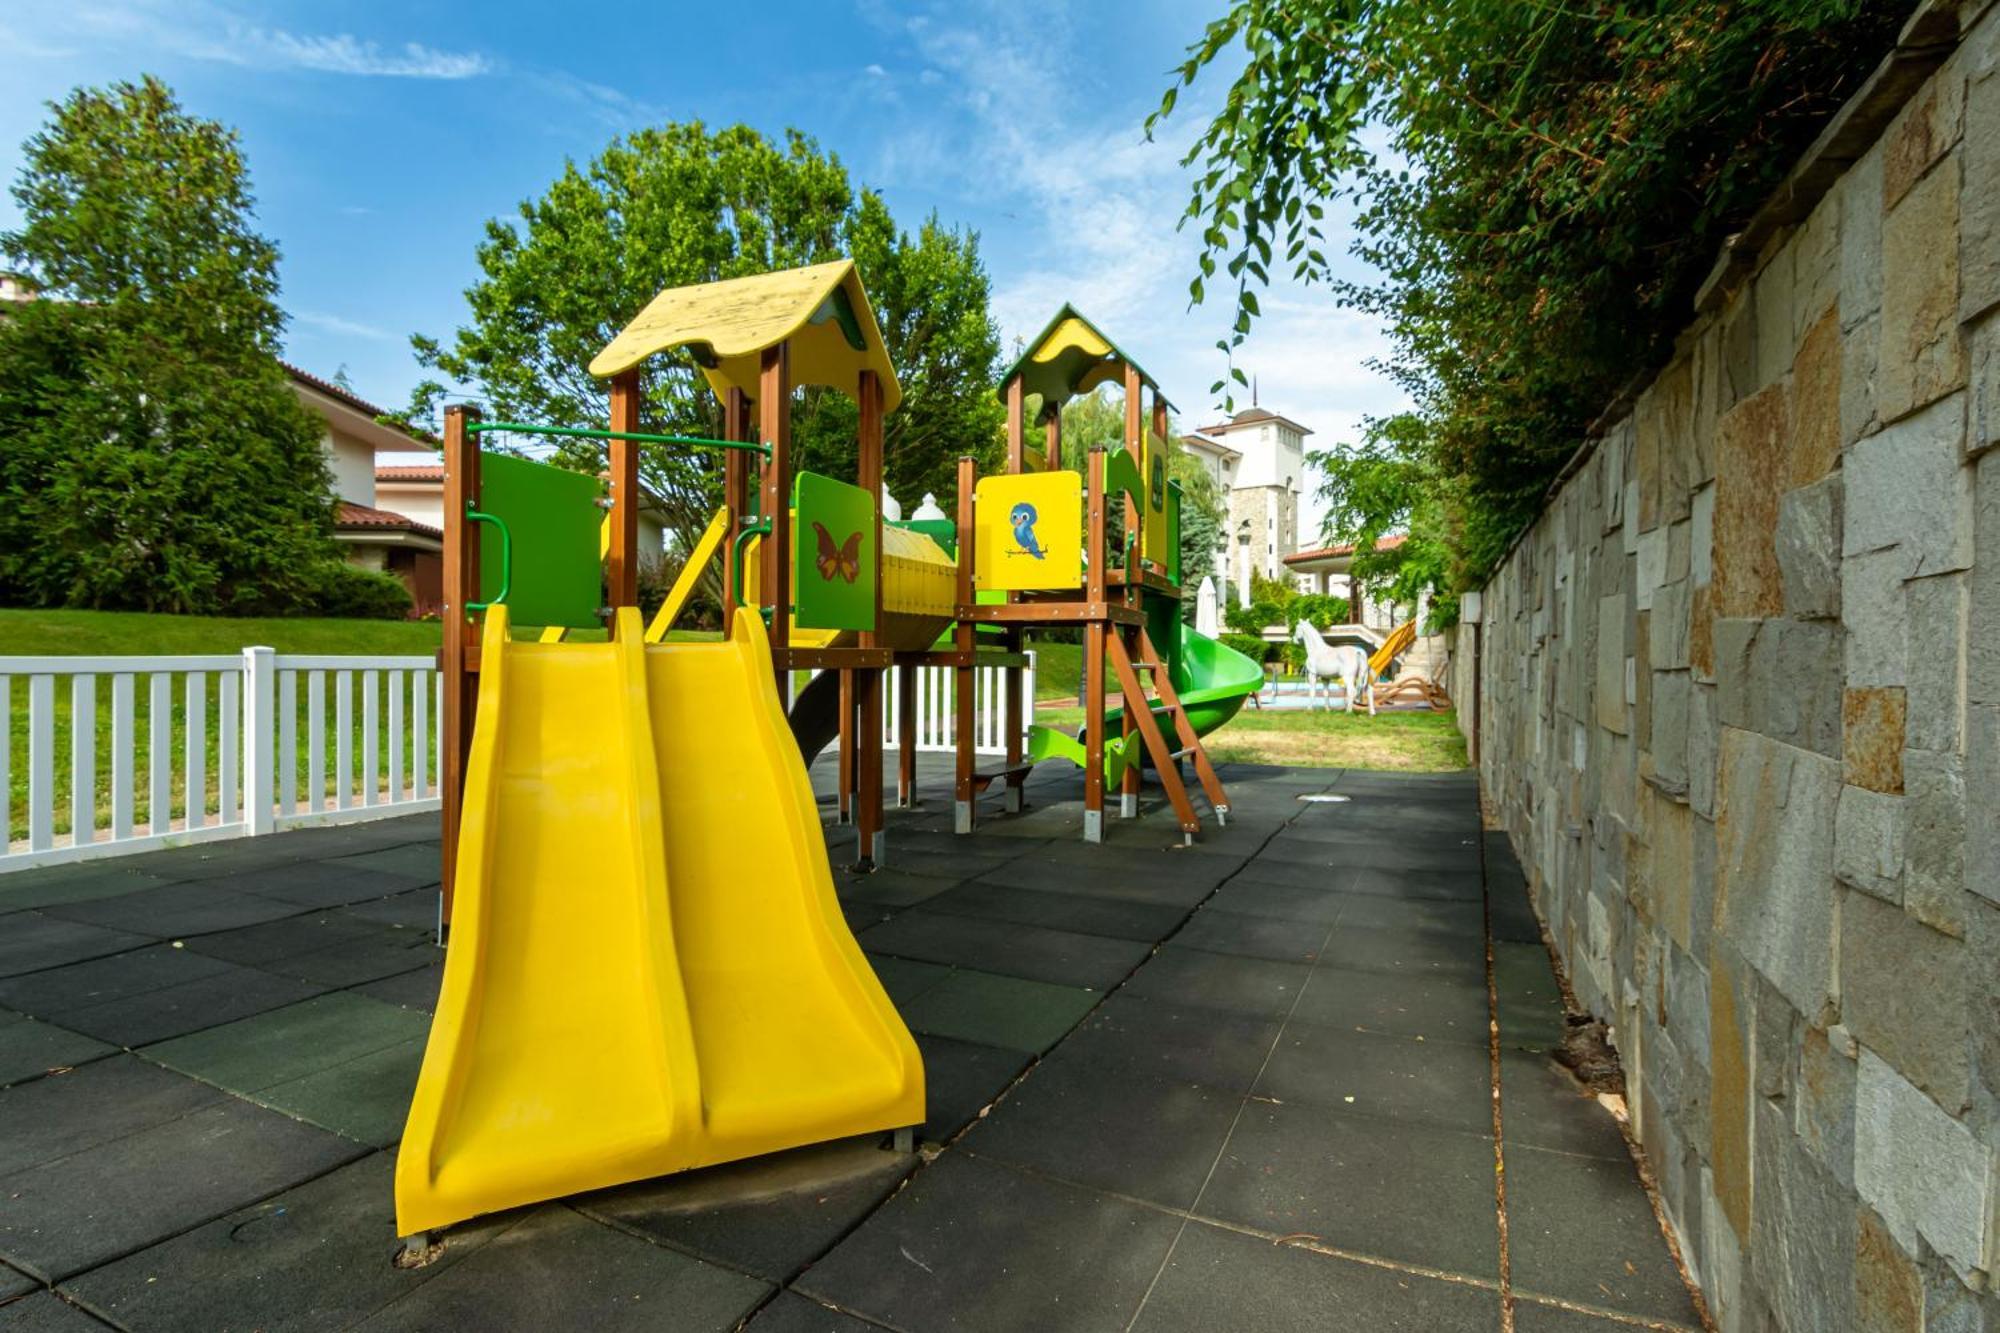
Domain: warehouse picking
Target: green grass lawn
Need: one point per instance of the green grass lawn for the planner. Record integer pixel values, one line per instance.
(99, 633)
(1407, 742)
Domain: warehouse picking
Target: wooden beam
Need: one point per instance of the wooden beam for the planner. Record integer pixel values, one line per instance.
(461, 586)
(621, 563)
(1052, 437)
(1156, 744)
(774, 428)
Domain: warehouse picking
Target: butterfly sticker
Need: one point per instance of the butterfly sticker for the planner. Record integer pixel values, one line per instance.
(843, 561)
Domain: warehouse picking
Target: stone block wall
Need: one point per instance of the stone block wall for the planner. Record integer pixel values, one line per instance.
(1740, 713)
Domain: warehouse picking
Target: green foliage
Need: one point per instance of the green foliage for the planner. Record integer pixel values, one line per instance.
(152, 454)
(351, 592)
(681, 204)
(1251, 646)
(1392, 483)
(1555, 184)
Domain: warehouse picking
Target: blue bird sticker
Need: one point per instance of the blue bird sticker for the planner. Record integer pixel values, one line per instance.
(1023, 520)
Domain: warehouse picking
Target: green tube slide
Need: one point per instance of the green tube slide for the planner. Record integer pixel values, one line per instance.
(1212, 679)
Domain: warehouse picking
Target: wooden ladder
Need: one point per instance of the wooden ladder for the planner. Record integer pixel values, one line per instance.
(1166, 760)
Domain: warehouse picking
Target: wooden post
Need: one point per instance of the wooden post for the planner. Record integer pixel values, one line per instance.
(906, 736)
(868, 682)
(1093, 657)
(843, 780)
(774, 413)
(1017, 458)
(1011, 721)
(735, 498)
(963, 641)
(621, 564)
(1052, 436)
(1128, 726)
(461, 586)
(1135, 514)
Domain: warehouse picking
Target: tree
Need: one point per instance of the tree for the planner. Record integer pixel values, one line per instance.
(1556, 182)
(156, 457)
(1391, 484)
(681, 204)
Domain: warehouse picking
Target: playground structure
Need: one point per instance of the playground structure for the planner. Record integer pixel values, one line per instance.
(649, 970)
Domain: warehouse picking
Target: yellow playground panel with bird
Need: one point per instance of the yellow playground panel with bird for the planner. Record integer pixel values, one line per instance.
(1028, 533)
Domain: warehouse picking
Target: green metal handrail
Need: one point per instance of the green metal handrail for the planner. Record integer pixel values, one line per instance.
(696, 441)
(758, 529)
(506, 558)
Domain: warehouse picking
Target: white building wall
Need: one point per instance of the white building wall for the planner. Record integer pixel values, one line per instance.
(353, 464)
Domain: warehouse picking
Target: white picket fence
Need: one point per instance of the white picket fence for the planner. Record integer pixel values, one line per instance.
(124, 754)
(935, 716)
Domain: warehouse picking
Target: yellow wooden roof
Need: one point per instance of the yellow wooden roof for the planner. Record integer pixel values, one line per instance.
(1070, 357)
(726, 326)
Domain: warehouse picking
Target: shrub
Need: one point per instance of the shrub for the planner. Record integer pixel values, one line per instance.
(1250, 645)
(349, 592)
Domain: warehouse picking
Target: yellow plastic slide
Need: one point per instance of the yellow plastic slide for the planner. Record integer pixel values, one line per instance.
(648, 968)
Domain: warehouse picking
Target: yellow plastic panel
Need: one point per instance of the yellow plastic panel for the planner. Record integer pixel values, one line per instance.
(796, 1040)
(644, 975)
(1028, 532)
(1157, 469)
(560, 1058)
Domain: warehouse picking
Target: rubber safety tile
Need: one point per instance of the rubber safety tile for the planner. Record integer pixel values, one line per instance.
(314, 1256)
(961, 1079)
(1582, 1229)
(70, 1215)
(1442, 1083)
(772, 1215)
(1254, 986)
(263, 1051)
(1035, 953)
(556, 1269)
(973, 1243)
(1434, 1008)
(57, 1117)
(1218, 1279)
(30, 1048)
(35, 941)
(1008, 1012)
(174, 911)
(1219, 929)
(1391, 1189)
(1144, 1138)
(1181, 1043)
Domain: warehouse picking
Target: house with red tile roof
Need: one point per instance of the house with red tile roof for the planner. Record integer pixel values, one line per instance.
(371, 536)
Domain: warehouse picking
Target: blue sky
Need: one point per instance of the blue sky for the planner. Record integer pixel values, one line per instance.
(382, 136)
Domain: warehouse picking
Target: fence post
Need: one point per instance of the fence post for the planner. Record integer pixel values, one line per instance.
(1027, 718)
(260, 679)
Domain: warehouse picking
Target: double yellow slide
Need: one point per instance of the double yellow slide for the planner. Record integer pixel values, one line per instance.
(648, 969)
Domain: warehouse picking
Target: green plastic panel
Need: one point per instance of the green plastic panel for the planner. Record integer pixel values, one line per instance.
(834, 561)
(1173, 552)
(553, 522)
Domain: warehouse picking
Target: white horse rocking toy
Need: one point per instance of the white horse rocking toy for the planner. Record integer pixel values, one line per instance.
(1325, 662)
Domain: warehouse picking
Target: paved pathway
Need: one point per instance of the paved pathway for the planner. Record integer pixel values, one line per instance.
(1244, 1085)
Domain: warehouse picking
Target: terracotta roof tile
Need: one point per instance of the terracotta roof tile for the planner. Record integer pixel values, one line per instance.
(1345, 548)
(351, 515)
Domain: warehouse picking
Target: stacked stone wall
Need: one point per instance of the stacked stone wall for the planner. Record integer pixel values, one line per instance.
(1740, 714)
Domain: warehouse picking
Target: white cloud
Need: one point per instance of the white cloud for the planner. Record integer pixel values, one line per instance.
(340, 326)
(1098, 207)
(335, 53)
(876, 71)
(199, 30)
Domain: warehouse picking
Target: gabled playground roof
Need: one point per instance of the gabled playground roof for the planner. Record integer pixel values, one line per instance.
(1068, 357)
(727, 325)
